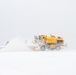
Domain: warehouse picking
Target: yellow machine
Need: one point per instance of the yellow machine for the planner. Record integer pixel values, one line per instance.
(49, 42)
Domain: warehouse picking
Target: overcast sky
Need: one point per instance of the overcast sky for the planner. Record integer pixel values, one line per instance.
(28, 17)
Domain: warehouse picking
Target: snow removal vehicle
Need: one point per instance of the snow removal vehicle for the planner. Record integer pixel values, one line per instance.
(48, 42)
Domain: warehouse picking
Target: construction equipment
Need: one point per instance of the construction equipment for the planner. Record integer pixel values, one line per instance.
(48, 42)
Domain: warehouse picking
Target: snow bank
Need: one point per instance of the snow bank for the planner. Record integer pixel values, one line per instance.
(18, 44)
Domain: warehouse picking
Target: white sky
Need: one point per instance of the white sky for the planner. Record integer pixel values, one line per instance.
(28, 17)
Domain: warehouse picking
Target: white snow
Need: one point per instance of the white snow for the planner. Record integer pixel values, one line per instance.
(38, 63)
(18, 44)
(18, 58)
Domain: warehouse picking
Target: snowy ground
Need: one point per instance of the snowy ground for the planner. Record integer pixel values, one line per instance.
(38, 63)
(18, 59)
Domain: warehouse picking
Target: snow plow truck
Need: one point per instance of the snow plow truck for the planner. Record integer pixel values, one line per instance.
(48, 42)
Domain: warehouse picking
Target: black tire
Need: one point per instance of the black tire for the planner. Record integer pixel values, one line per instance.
(58, 48)
(52, 49)
(42, 48)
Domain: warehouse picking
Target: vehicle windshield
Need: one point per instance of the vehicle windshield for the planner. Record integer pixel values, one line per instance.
(37, 37)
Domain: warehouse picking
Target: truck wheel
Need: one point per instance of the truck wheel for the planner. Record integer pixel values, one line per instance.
(42, 48)
(58, 48)
(52, 49)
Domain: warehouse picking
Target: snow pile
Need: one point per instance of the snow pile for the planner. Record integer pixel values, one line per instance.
(18, 44)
